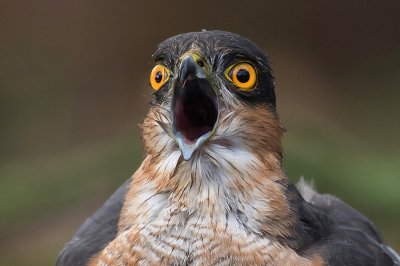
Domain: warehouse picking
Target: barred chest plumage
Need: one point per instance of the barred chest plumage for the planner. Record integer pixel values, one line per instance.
(169, 235)
(184, 238)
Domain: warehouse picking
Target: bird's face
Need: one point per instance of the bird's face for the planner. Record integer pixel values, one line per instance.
(212, 89)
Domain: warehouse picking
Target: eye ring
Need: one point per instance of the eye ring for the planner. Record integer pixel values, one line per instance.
(243, 75)
(159, 75)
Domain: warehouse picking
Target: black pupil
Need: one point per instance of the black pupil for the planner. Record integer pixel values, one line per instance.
(158, 77)
(243, 75)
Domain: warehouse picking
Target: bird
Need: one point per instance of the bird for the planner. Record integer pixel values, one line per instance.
(211, 189)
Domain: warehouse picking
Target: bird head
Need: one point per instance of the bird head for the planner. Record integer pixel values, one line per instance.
(214, 95)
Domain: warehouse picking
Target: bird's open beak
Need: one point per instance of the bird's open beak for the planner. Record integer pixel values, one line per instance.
(195, 106)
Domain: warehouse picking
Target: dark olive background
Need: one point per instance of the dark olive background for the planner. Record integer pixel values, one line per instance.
(74, 81)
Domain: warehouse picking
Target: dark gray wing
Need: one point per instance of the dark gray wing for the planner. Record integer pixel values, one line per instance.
(96, 232)
(353, 240)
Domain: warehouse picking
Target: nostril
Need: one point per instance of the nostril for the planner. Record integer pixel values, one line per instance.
(200, 63)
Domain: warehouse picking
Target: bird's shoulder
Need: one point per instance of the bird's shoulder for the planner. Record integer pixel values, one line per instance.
(96, 232)
(352, 238)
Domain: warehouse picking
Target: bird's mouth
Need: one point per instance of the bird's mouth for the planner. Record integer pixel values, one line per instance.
(195, 107)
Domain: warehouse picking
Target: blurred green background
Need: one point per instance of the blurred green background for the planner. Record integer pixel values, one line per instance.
(74, 87)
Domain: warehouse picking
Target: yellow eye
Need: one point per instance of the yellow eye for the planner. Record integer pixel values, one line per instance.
(244, 76)
(159, 75)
